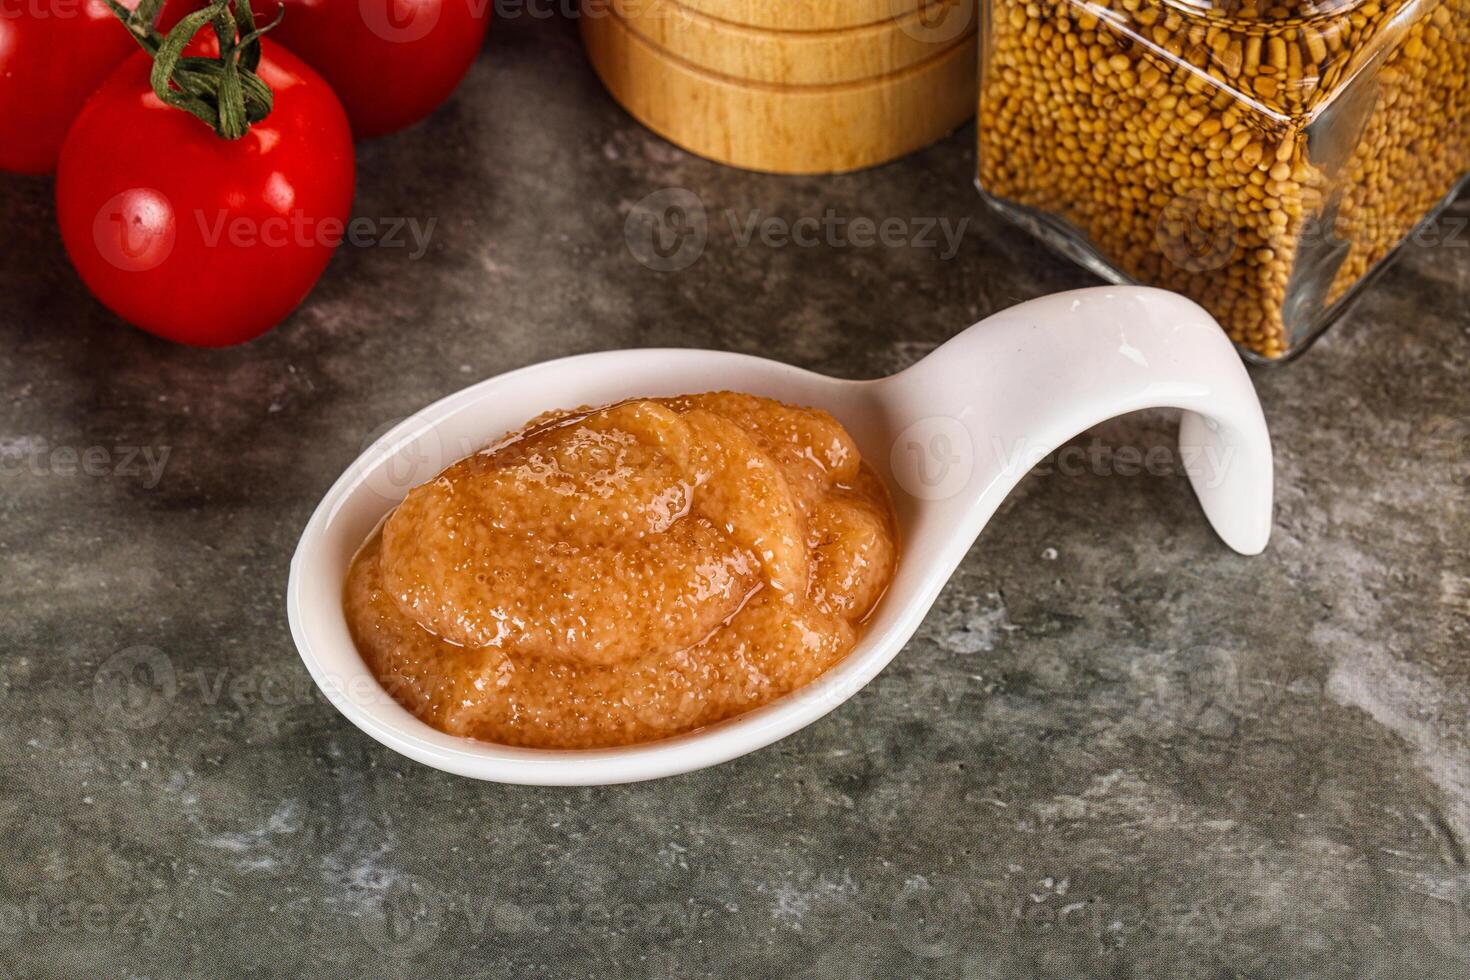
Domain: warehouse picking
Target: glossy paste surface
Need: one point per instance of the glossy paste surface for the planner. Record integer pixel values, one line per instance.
(619, 575)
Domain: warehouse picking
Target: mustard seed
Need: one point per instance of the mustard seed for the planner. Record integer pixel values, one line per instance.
(1195, 150)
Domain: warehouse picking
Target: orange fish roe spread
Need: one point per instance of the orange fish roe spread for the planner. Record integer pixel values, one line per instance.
(612, 576)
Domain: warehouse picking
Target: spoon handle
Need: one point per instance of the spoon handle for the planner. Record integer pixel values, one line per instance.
(986, 407)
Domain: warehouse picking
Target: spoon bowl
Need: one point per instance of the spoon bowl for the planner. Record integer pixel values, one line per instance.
(952, 435)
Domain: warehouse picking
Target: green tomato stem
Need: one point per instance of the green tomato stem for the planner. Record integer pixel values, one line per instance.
(223, 92)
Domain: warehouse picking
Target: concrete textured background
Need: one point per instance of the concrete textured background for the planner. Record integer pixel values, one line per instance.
(1115, 749)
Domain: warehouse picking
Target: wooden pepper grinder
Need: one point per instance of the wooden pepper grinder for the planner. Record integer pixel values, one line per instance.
(789, 86)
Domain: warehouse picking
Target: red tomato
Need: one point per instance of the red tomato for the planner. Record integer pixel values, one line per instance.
(391, 62)
(196, 238)
(53, 54)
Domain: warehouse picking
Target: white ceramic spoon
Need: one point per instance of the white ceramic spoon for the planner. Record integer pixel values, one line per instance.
(952, 434)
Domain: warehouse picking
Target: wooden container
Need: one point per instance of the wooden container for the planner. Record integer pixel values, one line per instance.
(805, 15)
(789, 100)
(791, 58)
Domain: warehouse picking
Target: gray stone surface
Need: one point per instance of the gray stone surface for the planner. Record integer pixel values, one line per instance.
(1115, 749)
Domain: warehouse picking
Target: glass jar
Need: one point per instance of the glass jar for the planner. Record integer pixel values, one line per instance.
(1264, 159)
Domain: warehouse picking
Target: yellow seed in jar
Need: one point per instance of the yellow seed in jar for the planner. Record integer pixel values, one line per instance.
(1276, 48)
(1154, 127)
(1316, 47)
(1252, 56)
